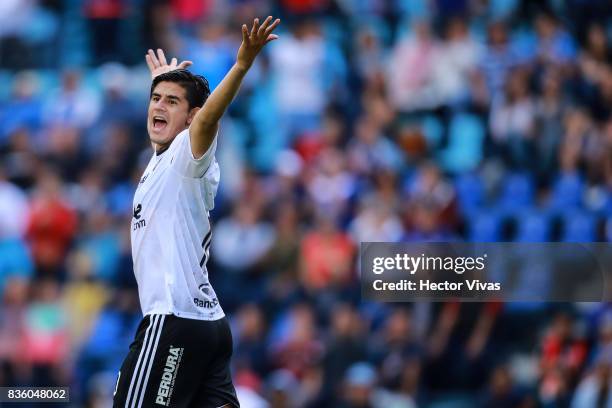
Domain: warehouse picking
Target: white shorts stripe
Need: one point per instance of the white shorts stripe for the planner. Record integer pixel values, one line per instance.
(139, 370)
(146, 380)
(145, 362)
(142, 349)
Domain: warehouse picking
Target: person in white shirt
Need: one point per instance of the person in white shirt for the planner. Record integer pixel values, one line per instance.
(181, 353)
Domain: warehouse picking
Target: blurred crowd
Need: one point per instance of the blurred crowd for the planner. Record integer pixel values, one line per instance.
(370, 120)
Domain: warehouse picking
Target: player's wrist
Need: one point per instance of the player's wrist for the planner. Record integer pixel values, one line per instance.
(242, 66)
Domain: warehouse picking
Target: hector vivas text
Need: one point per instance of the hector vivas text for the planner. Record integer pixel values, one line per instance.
(430, 264)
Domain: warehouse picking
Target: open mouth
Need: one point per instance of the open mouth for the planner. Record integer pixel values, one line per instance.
(159, 122)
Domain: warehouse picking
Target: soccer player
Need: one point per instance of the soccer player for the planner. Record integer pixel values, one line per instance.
(181, 353)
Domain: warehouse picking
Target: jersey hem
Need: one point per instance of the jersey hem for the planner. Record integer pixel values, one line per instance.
(187, 315)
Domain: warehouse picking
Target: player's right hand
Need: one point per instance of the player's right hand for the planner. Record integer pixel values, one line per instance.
(254, 40)
(158, 65)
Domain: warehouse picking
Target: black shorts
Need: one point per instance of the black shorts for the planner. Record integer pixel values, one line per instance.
(177, 362)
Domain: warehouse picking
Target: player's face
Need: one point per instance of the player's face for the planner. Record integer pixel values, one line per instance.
(168, 113)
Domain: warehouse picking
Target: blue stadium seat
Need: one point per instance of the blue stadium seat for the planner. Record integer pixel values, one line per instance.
(579, 226)
(485, 227)
(464, 152)
(470, 192)
(517, 193)
(567, 192)
(533, 226)
(607, 207)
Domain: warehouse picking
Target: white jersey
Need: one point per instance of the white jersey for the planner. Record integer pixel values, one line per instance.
(171, 232)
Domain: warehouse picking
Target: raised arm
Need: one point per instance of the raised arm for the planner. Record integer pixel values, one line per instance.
(206, 121)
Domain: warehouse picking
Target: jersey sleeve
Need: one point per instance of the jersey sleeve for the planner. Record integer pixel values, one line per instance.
(183, 160)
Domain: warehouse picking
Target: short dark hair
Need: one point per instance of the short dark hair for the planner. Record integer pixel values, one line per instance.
(196, 86)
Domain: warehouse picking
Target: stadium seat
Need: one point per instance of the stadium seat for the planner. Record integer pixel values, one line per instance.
(470, 192)
(579, 226)
(533, 226)
(607, 207)
(464, 151)
(567, 192)
(485, 227)
(517, 193)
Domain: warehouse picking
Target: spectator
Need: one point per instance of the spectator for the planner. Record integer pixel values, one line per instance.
(283, 255)
(370, 54)
(12, 329)
(431, 203)
(45, 344)
(242, 240)
(72, 105)
(104, 20)
(326, 256)
(12, 201)
(250, 353)
(411, 83)
(342, 350)
(563, 355)
(550, 109)
(83, 298)
(376, 221)
(594, 389)
(594, 60)
(498, 59)
(24, 108)
(503, 393)
(513, 121)
(212, 52)
(458, 57)
(397, 352)
(330, 185)
(372, 151)
(51, 226)
(297, 347)
(15, 261)
(554, 45)
(359, 387)
(300, 63)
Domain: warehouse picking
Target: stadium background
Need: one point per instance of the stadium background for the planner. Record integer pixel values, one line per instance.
(368, 120)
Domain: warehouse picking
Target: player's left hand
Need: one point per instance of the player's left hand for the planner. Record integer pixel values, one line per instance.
(158, 65)
(253, 41)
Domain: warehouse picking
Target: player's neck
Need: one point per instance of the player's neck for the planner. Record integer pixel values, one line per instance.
(160, 148)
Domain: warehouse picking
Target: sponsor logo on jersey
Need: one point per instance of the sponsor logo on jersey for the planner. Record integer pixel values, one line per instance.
(138, 222)
(208, 304)
(166, 385)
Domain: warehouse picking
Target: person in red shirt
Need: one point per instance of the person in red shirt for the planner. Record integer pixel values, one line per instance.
(326, 256)
(52, 224)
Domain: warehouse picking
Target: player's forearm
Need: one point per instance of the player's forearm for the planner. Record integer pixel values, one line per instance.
(206, 122)
(218, 101)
